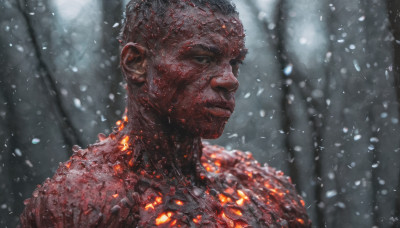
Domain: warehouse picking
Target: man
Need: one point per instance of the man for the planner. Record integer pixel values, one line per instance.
(180, 60)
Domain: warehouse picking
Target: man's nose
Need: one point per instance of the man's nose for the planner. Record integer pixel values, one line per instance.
(225, 80)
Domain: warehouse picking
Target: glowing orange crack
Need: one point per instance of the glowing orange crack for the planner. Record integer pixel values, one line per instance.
(197, 219)
(68, 165)
(240, 202)
(217, 163)
(224, 199)
(121, 124)
(250, 174)
(124, 143)
(237, 212)
(242, 196)
(131, 163)
(117, 168)
(157, 201)
(228, 220)
(208, 167)
(301, 221)
(178, 202)
(163, 218)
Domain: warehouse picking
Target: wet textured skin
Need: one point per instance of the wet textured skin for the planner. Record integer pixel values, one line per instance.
(154, 170)
(96, 188)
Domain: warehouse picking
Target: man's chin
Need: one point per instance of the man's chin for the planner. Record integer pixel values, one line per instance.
(212, 133)
(209, 129)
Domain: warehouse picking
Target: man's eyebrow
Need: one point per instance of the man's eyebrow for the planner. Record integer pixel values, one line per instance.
(215, 50)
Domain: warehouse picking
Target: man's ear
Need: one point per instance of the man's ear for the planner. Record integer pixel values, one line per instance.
(134, 63)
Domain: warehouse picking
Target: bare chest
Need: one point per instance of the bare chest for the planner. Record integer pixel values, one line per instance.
(220, 203)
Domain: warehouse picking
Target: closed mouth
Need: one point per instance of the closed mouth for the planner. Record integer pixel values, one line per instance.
(220, 108)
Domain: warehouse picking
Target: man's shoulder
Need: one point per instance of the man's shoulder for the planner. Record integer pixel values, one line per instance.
(220, 158)
(86, 190)
(270, 188)
(86, 169)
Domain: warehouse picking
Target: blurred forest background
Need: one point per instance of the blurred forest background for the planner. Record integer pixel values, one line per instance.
(319, 98)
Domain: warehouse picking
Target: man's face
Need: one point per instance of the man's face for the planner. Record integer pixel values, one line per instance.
(192, 77)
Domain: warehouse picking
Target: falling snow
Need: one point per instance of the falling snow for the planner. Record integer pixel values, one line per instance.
(35, 141)
(288, 69)
(327, 102)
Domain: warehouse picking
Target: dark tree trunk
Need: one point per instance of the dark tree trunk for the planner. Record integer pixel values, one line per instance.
(393, 7)
(112, 21)
(35, 129)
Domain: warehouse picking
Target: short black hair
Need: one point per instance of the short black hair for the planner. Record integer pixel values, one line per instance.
(143, 18)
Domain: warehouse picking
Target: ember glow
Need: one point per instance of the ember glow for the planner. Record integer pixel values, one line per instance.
(117, 168)
(223, 199)
(235, 203)
(124, 143)
(197, 219)
(178, 202)
(163, 218)
(237, 212)
(301, 221)
(157, 201)
(121, 124)
(262, 190)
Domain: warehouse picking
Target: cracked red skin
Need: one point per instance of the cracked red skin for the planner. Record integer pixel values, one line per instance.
(92, 193)
(154, 170)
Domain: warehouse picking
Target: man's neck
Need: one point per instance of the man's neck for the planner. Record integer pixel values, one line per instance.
(160, 145)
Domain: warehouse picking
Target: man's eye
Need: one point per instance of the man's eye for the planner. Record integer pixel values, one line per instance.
(203, 59)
